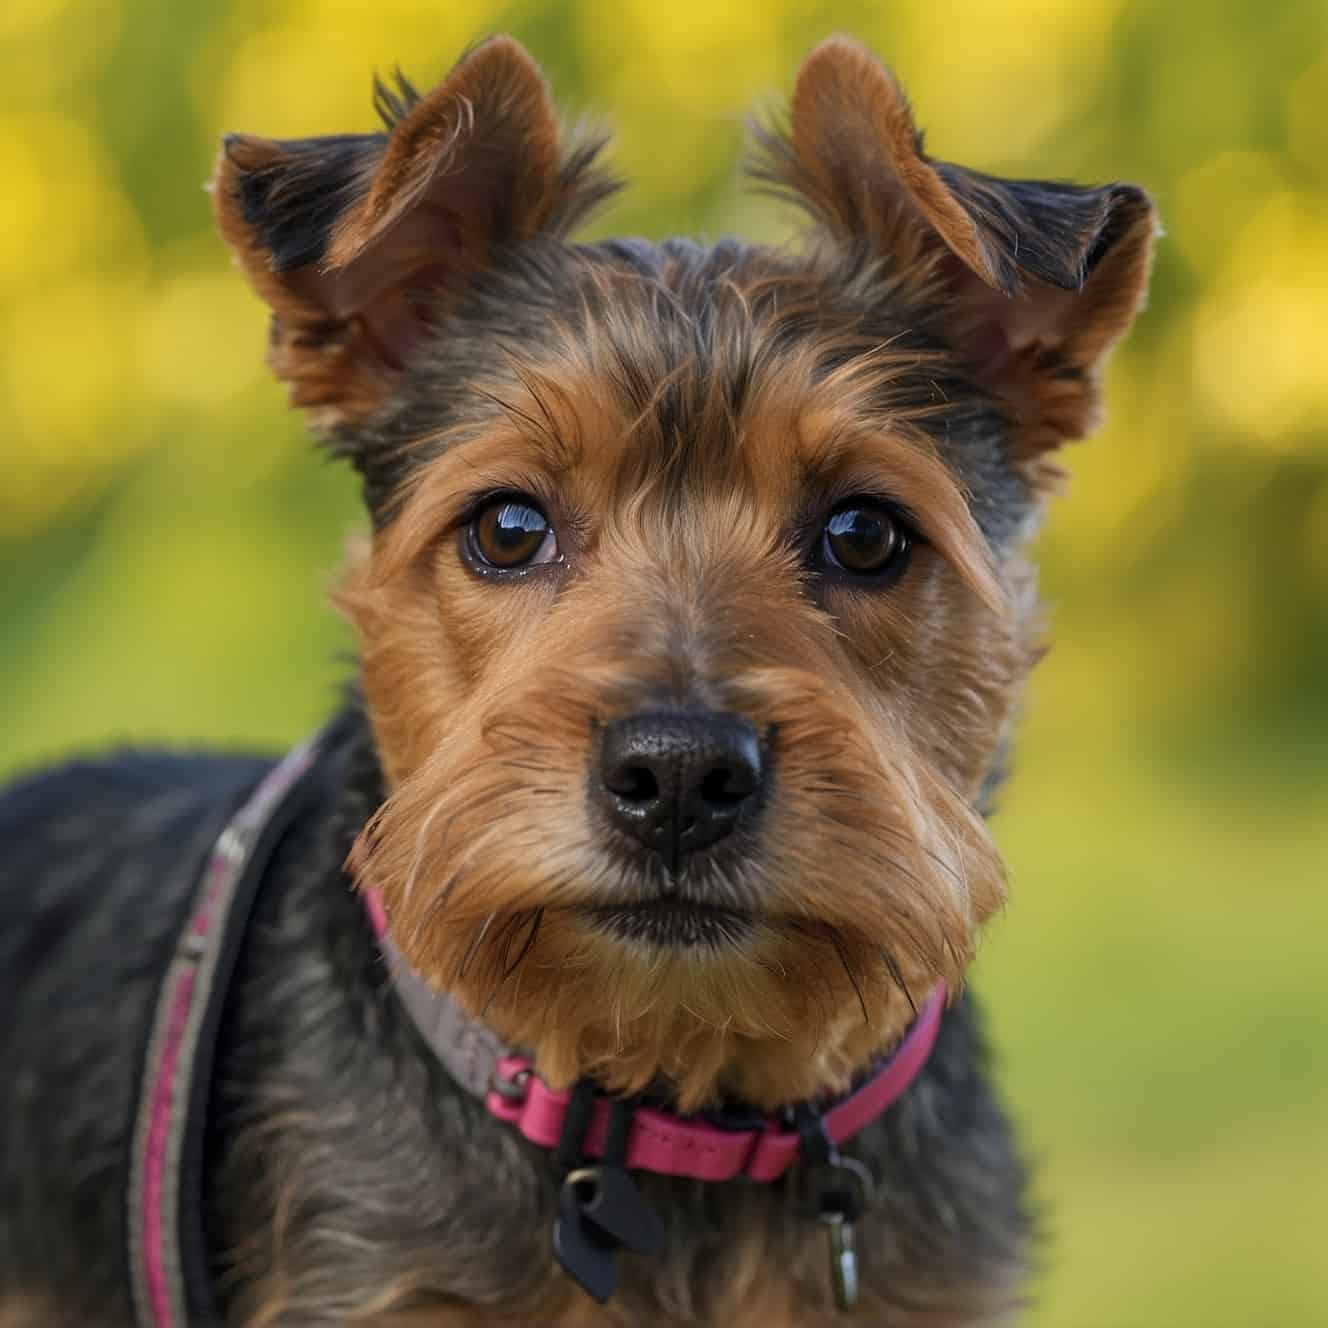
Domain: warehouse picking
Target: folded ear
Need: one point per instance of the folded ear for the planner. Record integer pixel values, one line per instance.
(357, 241)
(1031, 281)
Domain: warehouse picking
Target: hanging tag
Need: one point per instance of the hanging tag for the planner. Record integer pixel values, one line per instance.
(843, 1260)
(836, 1190)
(611, 1201)
(584, 1251)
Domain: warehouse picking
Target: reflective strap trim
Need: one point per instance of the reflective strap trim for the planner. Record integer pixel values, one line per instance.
(156, 1267)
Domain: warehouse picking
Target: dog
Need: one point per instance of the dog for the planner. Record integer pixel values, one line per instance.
(602, 962)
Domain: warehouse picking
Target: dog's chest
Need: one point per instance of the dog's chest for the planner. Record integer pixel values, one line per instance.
(773, 1304)
(747, 1281)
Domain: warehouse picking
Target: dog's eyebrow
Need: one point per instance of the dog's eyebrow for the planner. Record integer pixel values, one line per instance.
(529, 426)
(499, 457)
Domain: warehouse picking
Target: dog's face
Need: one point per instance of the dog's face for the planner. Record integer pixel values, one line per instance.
(694, 615)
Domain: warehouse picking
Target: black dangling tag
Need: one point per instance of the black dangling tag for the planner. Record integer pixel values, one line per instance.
(611, 1202)
(584, 1251)
(610, 1197)
(600, 1209)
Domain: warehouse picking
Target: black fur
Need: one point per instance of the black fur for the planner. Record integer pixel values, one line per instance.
(295, 202)
(1046, 230)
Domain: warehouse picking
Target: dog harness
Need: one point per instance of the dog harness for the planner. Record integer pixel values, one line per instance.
(601, 1210)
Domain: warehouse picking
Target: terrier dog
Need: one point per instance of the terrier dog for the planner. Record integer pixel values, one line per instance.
(692, 627)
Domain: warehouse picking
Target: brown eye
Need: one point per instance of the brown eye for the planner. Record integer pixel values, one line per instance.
(867, 539)
(511, 532)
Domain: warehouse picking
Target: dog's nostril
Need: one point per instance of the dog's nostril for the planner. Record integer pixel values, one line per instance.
(634, 782)
(726, 787)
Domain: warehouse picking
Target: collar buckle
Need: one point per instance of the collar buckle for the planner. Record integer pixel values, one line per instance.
(510, 1083)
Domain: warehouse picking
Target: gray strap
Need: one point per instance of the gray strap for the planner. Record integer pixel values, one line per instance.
(175, 1055)
(468, 1049)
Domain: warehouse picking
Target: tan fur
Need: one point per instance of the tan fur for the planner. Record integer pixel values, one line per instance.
(847, 111)
(492, 113)
(874, 874)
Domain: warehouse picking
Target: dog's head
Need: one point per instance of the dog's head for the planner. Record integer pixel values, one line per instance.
(694, 614)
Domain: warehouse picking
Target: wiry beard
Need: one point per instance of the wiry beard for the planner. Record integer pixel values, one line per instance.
(865, 885)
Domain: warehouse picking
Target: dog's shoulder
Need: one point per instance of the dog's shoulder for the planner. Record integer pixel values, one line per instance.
(118, 800)
(122, 776)
(113, 840)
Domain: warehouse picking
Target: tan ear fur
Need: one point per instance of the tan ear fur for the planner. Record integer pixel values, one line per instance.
(354, 240)
(1032, 281)
(491, 116)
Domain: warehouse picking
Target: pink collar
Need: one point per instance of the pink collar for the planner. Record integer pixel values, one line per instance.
(659, 1141)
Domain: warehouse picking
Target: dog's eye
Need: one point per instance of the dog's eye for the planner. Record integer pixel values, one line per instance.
(866, 539)
(510, 532)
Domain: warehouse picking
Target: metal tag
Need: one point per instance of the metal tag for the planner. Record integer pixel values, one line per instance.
(843, 1260)
(837, 1191)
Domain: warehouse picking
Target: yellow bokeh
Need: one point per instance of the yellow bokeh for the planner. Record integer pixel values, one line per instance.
(691, 58)
(76, 402)
(1261, 335)
(291, 70)
(63, 208)
(1307, 118)
(50, 48)
(1211, 204)
(167, 530)
(22, 16)
(201, 338)
(1012, 71)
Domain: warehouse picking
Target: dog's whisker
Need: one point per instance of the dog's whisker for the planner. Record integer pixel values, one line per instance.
(838, 942)
(475, 943)
(435, 906)
(527, 945)
(897, 977)
(504, 936)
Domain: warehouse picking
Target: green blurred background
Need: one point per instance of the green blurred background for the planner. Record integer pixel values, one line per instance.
(167, 534)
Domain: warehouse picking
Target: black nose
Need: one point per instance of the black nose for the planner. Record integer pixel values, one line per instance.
(679, 780)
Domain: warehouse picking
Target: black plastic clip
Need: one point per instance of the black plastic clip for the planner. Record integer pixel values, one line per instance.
(600, 1208)
(836, 1191)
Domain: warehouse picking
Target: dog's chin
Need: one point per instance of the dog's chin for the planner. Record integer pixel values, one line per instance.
(716, 1001)
(669, 923)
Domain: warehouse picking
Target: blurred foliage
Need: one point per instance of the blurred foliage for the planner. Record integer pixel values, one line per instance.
(166, 531)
